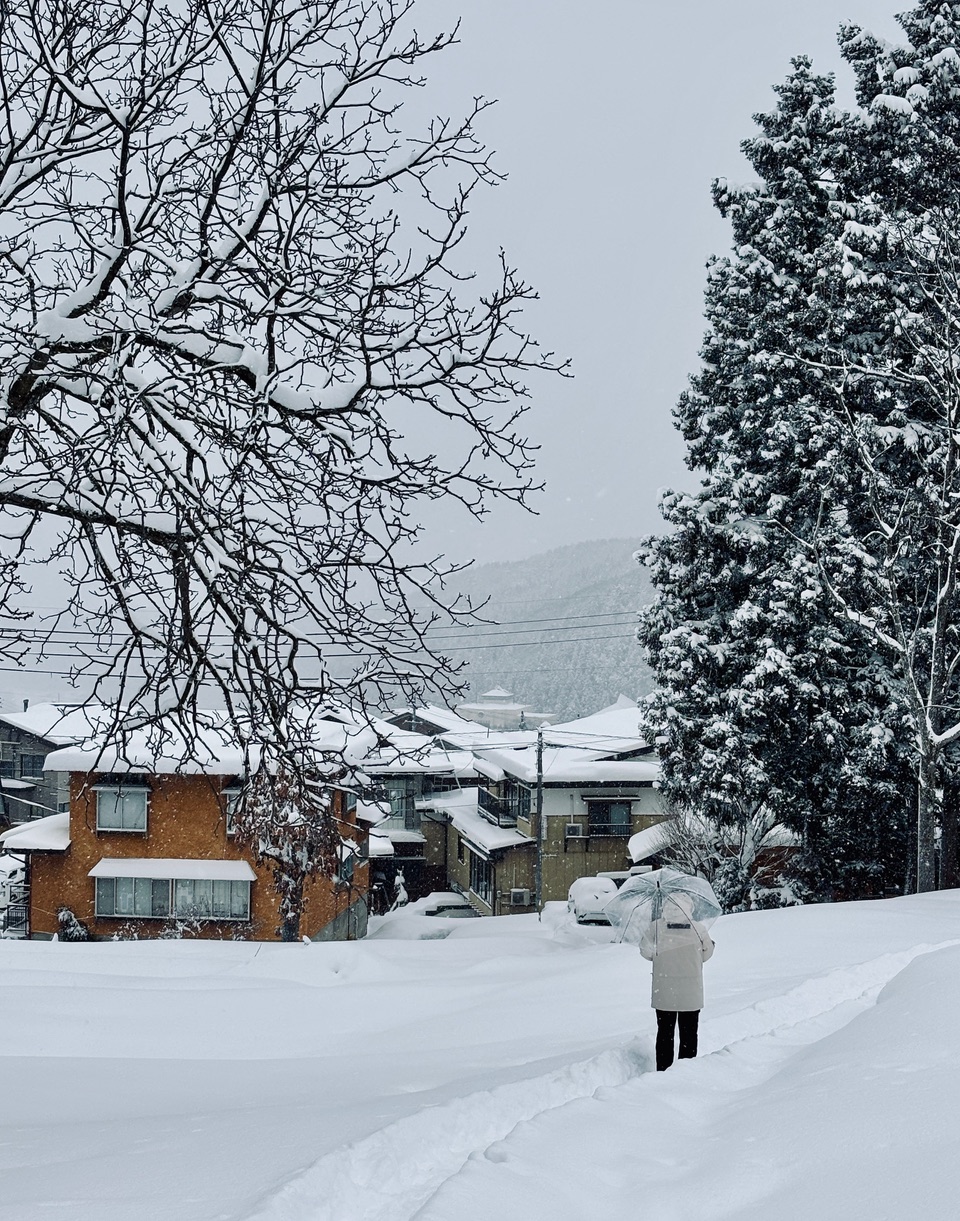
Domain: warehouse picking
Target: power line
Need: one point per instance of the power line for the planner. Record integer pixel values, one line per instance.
(464, 631)
(108, 659)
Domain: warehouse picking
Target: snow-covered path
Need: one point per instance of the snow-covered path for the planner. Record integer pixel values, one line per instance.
(501, 1071)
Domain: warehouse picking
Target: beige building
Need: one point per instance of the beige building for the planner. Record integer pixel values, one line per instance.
(596, 781)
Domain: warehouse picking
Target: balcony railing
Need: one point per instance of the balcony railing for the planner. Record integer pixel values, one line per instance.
(501, 813)
(608, 829)
(15, 917)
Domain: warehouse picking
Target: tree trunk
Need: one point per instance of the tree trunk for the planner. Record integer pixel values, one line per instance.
(926, 824)
(949, 844)
(291, 906)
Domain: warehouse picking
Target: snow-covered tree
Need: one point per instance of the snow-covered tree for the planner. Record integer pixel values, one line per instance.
(230, 286)
(288, 818)
(773, 709)
(69, 927)
(893, 372)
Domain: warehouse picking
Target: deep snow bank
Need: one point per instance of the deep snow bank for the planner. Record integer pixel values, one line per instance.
(500, 1070)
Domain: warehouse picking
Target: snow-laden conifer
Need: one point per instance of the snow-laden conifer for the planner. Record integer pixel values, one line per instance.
(773, 710)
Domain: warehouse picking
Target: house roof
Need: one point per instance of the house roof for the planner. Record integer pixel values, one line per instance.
(464, 812)
(59, 724)
(213, 750)
(183, 868)
(437, 718)
(568, 765)
(379, 845)
(612, 730)
(50, 834)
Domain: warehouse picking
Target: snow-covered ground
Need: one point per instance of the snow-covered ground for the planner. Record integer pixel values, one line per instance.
(502, 1070)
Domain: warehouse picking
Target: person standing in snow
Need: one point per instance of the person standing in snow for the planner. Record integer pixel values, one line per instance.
(678, 946)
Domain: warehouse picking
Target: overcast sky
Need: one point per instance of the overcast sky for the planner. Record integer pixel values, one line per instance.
(612, 120)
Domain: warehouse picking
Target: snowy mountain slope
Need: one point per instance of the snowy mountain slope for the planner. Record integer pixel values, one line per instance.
(501, 1070)
(573, 611)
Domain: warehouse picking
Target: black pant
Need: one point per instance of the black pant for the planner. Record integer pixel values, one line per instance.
(666, 1024)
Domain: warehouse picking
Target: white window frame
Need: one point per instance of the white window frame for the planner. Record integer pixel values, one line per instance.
(174, 905)
(118, 790)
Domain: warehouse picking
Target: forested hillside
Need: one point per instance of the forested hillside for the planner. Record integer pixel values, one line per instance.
(561, 631)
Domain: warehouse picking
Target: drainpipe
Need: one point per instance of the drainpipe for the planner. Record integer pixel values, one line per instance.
(538, 859)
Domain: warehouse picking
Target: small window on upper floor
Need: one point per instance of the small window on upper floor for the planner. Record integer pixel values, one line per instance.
(32, 766)
(121, 809)
(231, 797)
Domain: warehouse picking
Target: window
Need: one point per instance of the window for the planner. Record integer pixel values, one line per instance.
(203, 900)
(516, 802)
(400, 793)
(6, 760)
(133, 897)
(481, 878)
(461, 857)
(194, 899)
(32, 765)
(345, 873)
(122, 809)
(609, 817)
(231, 797)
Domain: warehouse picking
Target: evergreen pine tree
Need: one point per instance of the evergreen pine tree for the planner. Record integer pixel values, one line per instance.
(774, 710)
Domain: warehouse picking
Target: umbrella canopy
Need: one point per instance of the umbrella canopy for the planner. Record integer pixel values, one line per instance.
(646, 897)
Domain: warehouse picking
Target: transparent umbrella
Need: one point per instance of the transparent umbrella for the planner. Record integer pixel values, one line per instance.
(640, 902)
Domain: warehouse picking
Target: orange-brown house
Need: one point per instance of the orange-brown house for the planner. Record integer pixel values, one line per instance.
(148, 848)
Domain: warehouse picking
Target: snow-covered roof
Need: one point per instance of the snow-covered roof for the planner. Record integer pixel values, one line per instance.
(15, 786)
(433, 715)
(497, 693)
(59, 724)
(379, 845)
(372, 812)
(566, 765)
(400, 835)
(50, 834)
(650, 841)
(655, 839)
(612, 730)
(163, 868)
(463, 810)
(213, 750)
(478, 737)
(428, 759)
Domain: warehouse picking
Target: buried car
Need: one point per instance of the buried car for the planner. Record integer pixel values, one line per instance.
(588, 897)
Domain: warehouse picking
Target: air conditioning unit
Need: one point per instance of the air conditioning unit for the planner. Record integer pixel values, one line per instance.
(573, 830)
(519, 898)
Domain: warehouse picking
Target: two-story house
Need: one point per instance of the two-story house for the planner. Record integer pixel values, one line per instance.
(148, 845)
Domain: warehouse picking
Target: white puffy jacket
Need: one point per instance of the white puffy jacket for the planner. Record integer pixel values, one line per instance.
(678, 948)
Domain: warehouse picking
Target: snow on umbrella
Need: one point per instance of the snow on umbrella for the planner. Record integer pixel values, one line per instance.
(640, 901)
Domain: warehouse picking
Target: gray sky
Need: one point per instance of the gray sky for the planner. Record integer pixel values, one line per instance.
(613, 118)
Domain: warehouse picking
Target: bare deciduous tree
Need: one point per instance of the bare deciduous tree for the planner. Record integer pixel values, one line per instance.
(229, 288)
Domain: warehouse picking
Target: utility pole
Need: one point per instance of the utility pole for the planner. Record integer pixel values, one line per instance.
(538, 860)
